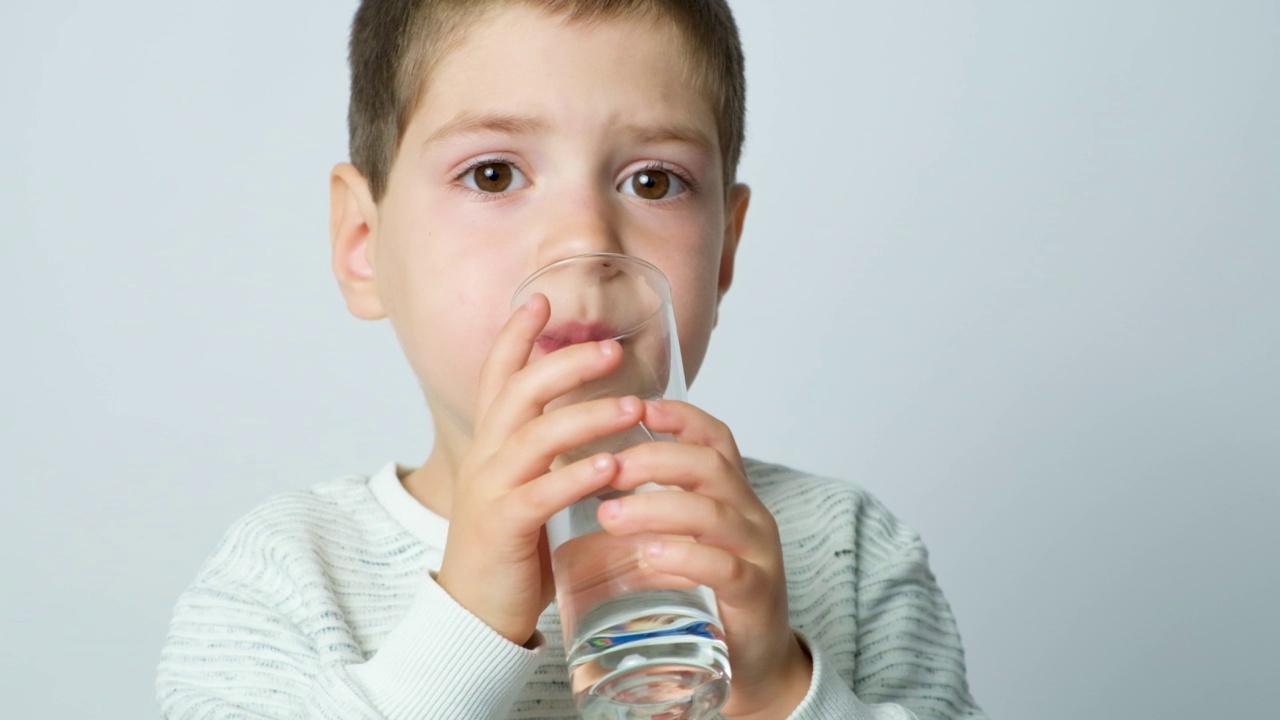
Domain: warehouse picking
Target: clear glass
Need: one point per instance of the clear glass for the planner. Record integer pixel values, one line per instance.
(639, 647)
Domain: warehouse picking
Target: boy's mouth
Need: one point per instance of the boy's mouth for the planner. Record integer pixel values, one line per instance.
(572, 333)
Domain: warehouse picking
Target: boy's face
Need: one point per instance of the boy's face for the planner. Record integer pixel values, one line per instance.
(537, 140)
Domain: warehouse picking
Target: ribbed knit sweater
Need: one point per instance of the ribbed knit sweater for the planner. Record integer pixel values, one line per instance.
(321, 604)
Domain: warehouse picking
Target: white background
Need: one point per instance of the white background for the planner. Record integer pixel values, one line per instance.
(1013, 266)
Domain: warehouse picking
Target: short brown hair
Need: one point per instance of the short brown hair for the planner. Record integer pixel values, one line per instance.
(396, 43)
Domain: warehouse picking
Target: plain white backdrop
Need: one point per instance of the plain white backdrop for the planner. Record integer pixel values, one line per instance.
(1015, 267)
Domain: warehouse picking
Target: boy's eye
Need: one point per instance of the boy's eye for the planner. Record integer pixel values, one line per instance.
(492, 177)
(652, 184)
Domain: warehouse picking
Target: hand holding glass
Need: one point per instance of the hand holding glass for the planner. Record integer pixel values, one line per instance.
(639, 645)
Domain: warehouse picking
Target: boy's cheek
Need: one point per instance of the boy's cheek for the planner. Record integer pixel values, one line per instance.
(447, 337)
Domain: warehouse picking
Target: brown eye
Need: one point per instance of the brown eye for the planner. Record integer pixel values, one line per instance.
(653, 184)
(492, 177)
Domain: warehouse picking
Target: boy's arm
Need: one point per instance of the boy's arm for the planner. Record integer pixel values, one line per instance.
(909, 649)
(910, 662)
(230, 654)
(830, 698)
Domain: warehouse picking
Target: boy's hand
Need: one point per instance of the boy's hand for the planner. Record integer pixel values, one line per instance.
(496, 562)
(735, 550)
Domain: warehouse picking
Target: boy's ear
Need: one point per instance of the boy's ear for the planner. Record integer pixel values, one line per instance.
(353, 223)
(738, 199)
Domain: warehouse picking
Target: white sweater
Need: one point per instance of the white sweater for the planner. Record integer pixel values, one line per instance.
(321, 604)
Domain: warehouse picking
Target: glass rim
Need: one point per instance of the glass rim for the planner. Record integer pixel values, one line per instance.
(626, 259)
(664, 292)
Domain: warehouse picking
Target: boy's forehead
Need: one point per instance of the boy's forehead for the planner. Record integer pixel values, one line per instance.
(519, 69)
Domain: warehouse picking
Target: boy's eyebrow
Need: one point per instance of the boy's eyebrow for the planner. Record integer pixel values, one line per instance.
(688, 134)
(468, 123)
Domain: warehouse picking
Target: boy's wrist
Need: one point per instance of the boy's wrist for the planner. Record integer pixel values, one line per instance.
(439, 639)
(794, 685)
(523, 634)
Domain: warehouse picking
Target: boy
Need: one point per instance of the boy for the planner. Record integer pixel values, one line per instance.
(490, 139)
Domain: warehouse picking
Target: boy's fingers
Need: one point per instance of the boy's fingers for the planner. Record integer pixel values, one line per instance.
(511, 348)
(531, 505)
(736, 582)
(534, 446)
(696, 468)
(525, 393)
(690, 424)
(682, 514)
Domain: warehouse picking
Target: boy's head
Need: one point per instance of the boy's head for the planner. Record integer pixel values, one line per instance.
(490, 139)
(395, 44)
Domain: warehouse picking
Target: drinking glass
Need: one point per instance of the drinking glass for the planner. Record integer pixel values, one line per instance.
(640, 646)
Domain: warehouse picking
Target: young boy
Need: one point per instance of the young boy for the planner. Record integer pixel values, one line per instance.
(489, 139)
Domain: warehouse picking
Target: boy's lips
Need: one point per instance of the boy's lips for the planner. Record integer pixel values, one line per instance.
(572, 333)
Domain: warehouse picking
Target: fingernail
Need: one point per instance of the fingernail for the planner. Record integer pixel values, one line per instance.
(607, 347)
(602, 462)
(629, 404)
(611, 508)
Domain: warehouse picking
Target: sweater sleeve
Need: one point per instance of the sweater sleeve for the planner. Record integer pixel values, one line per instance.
(248, 642)
(909, 649)
(829, 698)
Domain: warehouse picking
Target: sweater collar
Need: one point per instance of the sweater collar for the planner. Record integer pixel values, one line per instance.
(412, 515)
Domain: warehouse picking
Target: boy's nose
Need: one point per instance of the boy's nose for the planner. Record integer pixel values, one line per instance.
(576, 227)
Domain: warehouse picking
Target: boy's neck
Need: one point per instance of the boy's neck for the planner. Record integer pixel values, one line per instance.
(432, 482)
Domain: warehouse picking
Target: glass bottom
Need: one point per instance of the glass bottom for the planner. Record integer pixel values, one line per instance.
(670, 692)
(680, 680)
